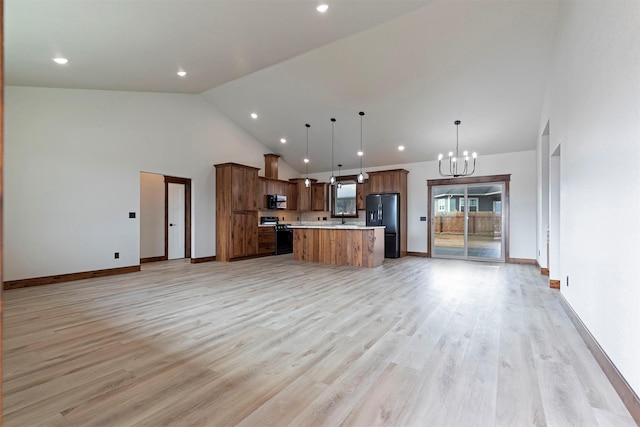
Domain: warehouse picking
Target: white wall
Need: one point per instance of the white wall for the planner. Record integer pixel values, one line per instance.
(521, 166)
(593, 106)
(72, 172)
(151, 215)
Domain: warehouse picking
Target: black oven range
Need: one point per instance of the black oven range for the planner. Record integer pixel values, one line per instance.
(283, 237)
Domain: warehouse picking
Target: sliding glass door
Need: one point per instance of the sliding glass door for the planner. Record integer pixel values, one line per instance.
(467, 221)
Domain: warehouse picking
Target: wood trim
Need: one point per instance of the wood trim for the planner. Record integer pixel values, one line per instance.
(1, 181)
(506, 206)
(59, 278)
(521, 261)
(470, 180)
(187, 214)
(418, 254)
(406, 172)
(153, 259)
(242, 258)
(554, 284)
(620, 385)
(544, 271)
(235, 164)
(429, 211)
(203, 259)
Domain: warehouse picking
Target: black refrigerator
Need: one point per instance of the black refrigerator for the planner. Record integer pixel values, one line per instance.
(384, 209)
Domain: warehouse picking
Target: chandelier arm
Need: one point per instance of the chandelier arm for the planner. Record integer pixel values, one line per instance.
(440, 168)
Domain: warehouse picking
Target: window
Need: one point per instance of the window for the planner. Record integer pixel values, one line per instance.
(473, 204)
(442, 205)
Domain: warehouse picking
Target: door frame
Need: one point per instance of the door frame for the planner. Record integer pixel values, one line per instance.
(187, 214)
(471, 180)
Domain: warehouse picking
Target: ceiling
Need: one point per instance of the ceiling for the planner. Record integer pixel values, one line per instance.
(413, 67)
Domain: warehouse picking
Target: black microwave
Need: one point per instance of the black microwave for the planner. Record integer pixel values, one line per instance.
(276, 201)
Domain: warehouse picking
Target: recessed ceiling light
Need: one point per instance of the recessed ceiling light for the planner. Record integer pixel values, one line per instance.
(306, 160)
(60, 60)
(182, 73)
(283, 140)
(360, 153)
(254, 116)
(322, 8)
(401, 147)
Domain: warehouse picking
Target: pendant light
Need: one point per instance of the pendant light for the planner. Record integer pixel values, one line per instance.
(307, 182)
(332, 180)
(454, 160)
(361, 153)
(339, 184)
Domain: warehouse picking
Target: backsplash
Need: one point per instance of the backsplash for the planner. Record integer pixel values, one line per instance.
(302, 218)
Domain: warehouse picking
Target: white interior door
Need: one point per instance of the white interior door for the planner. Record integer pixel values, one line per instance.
(176, 220)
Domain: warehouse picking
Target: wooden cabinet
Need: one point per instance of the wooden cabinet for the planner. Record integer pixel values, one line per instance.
(244, 234)
(244, 186)
(266, 240)
(237, 189)
(274, 186)
(292, 196)
(361, 195)
(304, 194)
(262, 192)
(320, 196)
(393, 181)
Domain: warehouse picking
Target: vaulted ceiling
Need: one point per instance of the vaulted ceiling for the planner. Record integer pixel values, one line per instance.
(413, 67)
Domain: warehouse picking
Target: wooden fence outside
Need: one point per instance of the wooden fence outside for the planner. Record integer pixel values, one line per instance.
(489, 223)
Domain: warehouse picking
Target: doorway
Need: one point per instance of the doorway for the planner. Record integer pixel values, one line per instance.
(177, 217)
(165, 217)
(469, 218)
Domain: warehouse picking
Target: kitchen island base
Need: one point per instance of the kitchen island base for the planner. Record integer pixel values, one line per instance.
(356, 246)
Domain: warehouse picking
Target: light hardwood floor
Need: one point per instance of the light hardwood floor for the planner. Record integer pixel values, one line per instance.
(273, 342)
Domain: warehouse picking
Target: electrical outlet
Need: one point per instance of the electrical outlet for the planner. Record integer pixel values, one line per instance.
(567, 281)
(324, 218)
(116, 255)
(132, 214)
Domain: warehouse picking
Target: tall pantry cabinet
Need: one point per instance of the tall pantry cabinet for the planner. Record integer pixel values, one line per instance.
(236, 211)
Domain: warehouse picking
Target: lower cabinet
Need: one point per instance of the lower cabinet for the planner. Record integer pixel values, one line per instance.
(266, 240)
(244, 234)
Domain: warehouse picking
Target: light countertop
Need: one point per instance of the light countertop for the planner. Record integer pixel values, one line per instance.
(338, 227)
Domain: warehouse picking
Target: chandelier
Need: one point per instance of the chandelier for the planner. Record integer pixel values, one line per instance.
(455, 170)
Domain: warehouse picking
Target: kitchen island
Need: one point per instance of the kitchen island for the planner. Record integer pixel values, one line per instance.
(358, 246)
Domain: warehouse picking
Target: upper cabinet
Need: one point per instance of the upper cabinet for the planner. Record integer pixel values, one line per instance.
(320, 196)
(391, 181)
(268, 186)
(361, 195)
(303, 202)
(244, 183)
